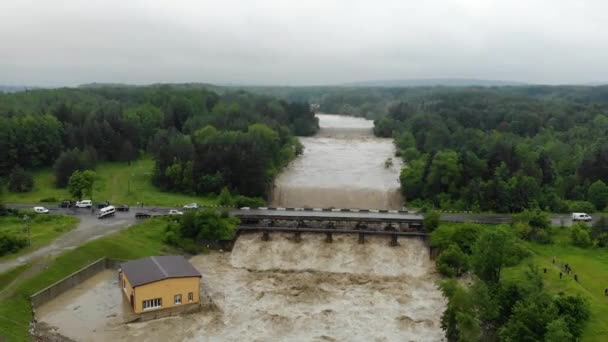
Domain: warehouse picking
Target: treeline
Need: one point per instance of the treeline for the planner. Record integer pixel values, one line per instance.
(484, 150)
(375, 102)
(493, 308)
(73, 129)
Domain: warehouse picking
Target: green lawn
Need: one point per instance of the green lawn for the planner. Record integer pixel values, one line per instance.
(591, 266)
(120, 183)
(7, 277)
(141, 240)
(44, 229)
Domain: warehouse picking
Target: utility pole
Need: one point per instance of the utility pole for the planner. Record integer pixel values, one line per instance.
(26, 221)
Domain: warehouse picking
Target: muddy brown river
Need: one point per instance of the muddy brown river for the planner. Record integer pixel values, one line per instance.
(279, 290)
(343, 166)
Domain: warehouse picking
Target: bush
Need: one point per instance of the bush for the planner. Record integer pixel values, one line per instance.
(225, 198)
(599, 231)
(575, 312)
(11, 244)
(532, 226)
(20, 181)
(598, 195)
(431, 220)
(581, 206)
(580, 235)
(206, 224)
(251, 202)
(452, 262)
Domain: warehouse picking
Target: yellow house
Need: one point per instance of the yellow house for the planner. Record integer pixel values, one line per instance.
(159, 282)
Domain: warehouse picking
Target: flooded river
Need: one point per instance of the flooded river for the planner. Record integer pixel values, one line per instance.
(280, 290)
(283, 290)
(343, 166)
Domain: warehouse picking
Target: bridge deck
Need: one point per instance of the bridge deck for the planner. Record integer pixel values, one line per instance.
(327, 230)
(362, 216)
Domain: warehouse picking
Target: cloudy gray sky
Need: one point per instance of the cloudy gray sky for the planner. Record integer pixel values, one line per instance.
(68, 42)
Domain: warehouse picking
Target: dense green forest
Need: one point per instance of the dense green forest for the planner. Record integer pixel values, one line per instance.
(375, 102)
(490, 150)
(202, 140)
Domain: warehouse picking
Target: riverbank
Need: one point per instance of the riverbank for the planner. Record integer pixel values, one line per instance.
(591, 267)
(144, 239)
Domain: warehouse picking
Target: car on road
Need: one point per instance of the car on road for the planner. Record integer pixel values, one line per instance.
(581, 217)
(66, 204)
(102, 205)
(84, 204)
(106, 212)
(142, 215)
(191, 206)
(41, 210)
(175, 212)
(123, 207)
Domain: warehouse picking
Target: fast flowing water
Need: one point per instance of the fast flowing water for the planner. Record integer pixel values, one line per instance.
(279, 290)
(343, 166)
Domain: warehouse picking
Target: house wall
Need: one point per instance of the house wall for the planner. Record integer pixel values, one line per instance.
(127, 288)
(167, 289)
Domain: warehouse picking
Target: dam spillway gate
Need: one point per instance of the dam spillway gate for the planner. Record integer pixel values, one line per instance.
(393, 224)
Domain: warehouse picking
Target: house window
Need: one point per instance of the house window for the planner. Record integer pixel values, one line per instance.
(178, 299)
(153, 303)
(190, 296)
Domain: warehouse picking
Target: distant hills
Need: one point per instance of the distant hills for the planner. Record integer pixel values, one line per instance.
(13, 89)
(431, 82)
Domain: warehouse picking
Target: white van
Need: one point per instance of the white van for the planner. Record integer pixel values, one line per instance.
(580, 217)
(107, 211)
(84, 204)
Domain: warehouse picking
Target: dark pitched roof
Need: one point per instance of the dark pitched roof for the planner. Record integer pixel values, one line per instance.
(155, 268)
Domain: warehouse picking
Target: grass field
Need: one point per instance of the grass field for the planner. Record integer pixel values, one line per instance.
(44, 229)
(141, 240)
(119, 183)
(7, 277)
(591, 266)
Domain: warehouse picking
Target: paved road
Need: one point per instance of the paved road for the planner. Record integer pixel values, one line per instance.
(89, 228)
(556, 219)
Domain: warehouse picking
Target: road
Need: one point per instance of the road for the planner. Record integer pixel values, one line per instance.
(89, 228)
(556, 219)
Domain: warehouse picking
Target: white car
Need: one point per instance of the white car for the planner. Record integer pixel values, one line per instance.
(581, 217)
(84, 204)
(41, 210)
(175, 212)
(191, 206)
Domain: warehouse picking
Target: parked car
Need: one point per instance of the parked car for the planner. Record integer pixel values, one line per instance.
(41, 210)
(123, 207)
(84, 204)
(142, 215)
(66, 204)
(102, 205)
(175, 212)
(191, 206)
(106, 212)
(581, 217)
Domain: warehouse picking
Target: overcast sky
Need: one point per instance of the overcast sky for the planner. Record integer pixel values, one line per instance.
(301, 42)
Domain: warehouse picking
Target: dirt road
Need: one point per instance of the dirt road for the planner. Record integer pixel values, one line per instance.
(89, 228)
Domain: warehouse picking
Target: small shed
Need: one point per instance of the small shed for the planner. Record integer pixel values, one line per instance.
(159, 282)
